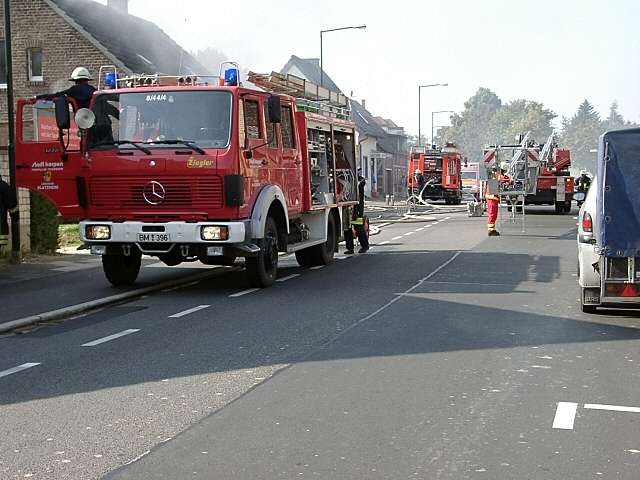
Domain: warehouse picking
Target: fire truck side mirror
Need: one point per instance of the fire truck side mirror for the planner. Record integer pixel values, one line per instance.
(274, 109)
(63, 117)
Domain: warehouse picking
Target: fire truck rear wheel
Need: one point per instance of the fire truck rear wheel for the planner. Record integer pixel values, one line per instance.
(122, 270)
(262, 270)
(320, 254)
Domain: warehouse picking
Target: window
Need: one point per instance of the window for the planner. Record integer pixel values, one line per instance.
(252, 119)
(3, 66)
(34, 59)
(272, 137)
(288, 135)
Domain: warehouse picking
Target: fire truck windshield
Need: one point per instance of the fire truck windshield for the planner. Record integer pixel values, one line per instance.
(198, 118)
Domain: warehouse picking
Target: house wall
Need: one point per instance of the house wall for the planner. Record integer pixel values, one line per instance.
(368, 145)
(35, 24)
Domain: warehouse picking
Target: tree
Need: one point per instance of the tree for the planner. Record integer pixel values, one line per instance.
(519, 117)
(615, 119)
(580, 135)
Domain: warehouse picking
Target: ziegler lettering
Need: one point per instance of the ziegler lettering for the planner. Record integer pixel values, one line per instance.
(199, 163)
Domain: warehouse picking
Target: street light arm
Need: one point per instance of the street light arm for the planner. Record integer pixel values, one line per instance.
(343, 28)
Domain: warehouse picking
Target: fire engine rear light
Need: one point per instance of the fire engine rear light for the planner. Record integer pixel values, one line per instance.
(214, 232)
(587, 223)
(625, 290)
(98, 232)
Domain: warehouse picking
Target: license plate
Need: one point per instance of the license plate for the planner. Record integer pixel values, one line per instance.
(154, 237)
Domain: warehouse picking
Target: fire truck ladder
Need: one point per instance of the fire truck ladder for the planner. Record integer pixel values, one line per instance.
(309, 96)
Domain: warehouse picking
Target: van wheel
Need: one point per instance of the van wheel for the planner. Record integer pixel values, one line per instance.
(587, 308)
(262, 270)
(320, 254)
(122, 270)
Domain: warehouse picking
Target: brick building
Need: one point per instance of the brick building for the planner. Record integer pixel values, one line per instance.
(52, 37)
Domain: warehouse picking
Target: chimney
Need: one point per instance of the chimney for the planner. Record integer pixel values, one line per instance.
(364, 104)
(120, 5)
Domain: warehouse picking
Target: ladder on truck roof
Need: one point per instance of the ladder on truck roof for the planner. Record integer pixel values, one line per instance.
(309, 96)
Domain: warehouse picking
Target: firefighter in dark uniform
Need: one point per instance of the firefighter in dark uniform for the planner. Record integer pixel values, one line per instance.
(357, 223)
(81, 90)
(8, 204)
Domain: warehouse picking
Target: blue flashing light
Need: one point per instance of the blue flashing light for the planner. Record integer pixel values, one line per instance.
(231, 77)
(111, 80)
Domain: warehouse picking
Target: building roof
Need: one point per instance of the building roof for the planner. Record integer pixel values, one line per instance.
(365, 122)
(310, 70)
(137, 44)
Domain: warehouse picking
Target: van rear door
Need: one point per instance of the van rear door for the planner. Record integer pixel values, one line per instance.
(47, 163)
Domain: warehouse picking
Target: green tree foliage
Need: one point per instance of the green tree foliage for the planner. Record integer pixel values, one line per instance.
(44, 225)
(518, 117)
(580, 135)
(615, 120)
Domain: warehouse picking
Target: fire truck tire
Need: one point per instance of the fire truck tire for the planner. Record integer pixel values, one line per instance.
(122, 270)
(559, 206)
(567, 207)
(320, 254)
(262, 270)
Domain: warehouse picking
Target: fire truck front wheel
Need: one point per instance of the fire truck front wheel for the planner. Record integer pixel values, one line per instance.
(262, 270)
(122, 270)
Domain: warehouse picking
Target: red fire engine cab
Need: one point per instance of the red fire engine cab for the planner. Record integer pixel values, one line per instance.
(188, 168)
(441, 171)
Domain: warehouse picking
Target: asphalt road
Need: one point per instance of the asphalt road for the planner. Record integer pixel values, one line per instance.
(440, 354)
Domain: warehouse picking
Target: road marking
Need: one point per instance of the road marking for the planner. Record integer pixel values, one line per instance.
(187, 312)
(419, 229)
(244, 292)
(613, 408)
(317, 267)
(19, 368)
(429, 226)
(397, 238)
(288, 277)
(409, 233)
(110, 337)
(447, 218)
(384, 243)
(565, 415)
(382, 225)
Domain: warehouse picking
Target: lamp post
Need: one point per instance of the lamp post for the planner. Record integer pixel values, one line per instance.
(354, 27)
(432, 113)
(15, 224)
(420, 87)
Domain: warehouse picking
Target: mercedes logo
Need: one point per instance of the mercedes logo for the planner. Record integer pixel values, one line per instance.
(154, 193)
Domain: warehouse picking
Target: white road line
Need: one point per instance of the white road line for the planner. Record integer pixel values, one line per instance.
(110, 337)
(243, 292)
(288, 277)
(19, 368)
(565, 415)
(397, 238)
(317, 267)
(384, 243)
(382, 225)
(419, 229)
(428, 226)
(409, 233)
(187, 312)
(613, 408)
(447, 218)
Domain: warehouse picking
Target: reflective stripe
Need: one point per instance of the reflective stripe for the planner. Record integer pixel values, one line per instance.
(357, 221)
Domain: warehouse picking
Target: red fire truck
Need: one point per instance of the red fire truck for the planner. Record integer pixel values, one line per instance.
(441, 170)
(188, 168)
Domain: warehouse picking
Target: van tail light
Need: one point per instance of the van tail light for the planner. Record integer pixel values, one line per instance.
(587, 223)
(627, 290)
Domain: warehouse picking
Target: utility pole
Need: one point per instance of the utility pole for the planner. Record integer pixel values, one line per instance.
(15, 225)
(420, 87)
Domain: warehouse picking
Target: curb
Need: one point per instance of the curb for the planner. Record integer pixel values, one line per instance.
(85, 307)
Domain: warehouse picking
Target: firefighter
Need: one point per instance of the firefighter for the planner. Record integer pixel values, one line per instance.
(357, 223)
(493, 203)
(81, 90)
(583, 181)
(8, 204)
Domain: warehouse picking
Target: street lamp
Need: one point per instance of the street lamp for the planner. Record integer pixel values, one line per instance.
(354, 27)
(420, 87)
(432, 113)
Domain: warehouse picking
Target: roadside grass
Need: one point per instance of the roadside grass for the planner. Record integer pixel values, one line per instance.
(69, 235)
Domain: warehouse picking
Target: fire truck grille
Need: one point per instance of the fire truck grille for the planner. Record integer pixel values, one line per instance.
(153, 194)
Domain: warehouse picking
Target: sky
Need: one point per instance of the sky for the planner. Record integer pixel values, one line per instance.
(555, 52)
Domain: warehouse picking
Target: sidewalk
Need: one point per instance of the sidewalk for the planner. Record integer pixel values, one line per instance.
(43, 283)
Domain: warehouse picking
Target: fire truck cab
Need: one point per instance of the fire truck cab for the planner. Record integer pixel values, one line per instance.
(441, 170)
(188, 168)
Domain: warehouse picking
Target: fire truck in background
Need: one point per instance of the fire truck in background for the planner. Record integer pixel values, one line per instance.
(540, 173)
(472, 180)
(441, 169)
(195, 168)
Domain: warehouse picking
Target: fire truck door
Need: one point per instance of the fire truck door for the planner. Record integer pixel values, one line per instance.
(291, 160)
(46, 165)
